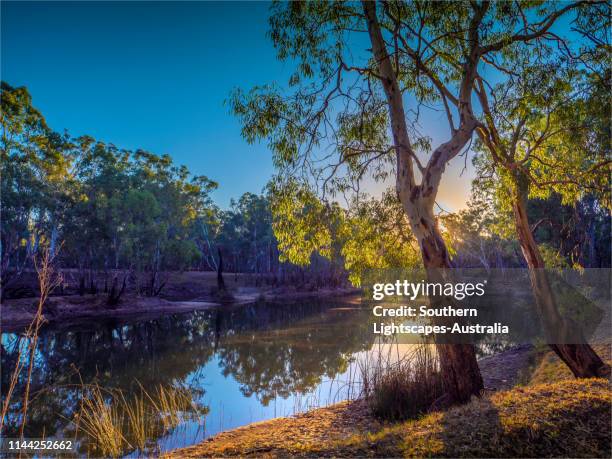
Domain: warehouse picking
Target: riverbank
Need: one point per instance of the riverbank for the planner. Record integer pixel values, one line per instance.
(549, 414)
(570, 418)
(183, 292)
(67, 310)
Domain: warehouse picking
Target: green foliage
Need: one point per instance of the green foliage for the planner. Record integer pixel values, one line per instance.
(552, 258)
(376, 235)
(370, 234)
(302, 223)
(573, 160)
(552, 146)
(111, 208)
(552, 135)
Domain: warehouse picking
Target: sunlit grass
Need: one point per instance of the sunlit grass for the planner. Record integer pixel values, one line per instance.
(102, 421)
(115, 423)
(136, 413)
(171, 403)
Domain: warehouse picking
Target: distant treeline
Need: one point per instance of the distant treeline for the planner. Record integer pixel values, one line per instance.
(107, 209)
(104, 208)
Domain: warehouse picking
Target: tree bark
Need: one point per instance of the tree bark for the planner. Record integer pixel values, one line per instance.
(458, 364)
(580, 358)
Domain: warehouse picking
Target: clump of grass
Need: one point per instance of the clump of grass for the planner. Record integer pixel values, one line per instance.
(136, 414)
(115, 423)
(400, 389)
(172, 404)
(102, 421)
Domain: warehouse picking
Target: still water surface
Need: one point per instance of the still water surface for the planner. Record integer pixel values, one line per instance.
(244, 364)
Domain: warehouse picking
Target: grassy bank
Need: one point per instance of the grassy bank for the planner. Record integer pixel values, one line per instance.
(569, 418)
(534, 408)
(550, 368)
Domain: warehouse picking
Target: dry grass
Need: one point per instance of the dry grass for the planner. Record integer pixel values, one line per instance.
(396, 390)
(565, 419)
(115, 424)
(301, 433)
(551, 368)
(103, 422)
(136, 413)
(171, 404)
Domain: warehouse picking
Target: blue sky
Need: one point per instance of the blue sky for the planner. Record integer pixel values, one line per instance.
(155, 75)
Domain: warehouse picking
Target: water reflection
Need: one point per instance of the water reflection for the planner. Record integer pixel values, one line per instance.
(247, 363)
(244, 364)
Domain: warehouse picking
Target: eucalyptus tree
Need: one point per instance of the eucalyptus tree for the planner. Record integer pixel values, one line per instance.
(22, 127)
(175, 200)
(92, 228)
(111, 208)
(363, 73)
(33, 168)
(373, 236)
(544, 133)
(247, 233)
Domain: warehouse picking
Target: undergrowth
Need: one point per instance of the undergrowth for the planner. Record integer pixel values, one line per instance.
(400, 389)
(115, 423)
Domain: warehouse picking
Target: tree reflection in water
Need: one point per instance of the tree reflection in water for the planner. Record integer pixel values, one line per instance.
(270, 350)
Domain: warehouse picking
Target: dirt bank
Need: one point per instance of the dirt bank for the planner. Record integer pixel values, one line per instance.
(550, 420)
(303, 433)
(18, 313)
(68, 309)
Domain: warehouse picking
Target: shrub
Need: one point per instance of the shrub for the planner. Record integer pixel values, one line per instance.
(403, 388)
